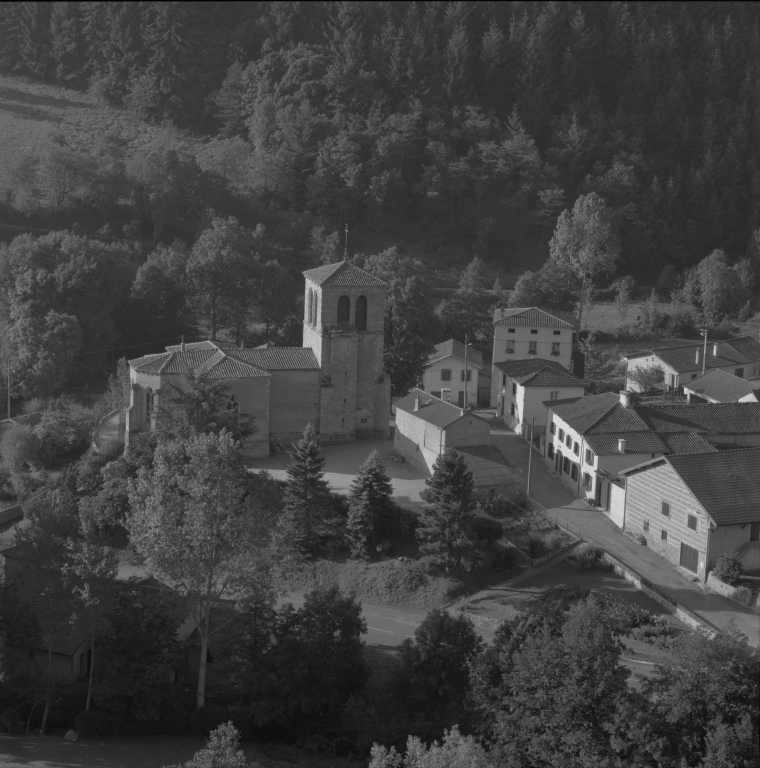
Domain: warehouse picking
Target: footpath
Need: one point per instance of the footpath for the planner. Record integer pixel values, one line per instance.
(594, 526)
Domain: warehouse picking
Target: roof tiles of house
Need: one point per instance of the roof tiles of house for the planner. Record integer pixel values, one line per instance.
(725, 483)
(488, 466)
(279, 358)
(581, 413)
(708, 418)
(433, 410)
(739, 351)
(539, 373)
(686, 442)
(534, 316)
(722, 386)
(454, 348)
(343, 273)
(635, 442)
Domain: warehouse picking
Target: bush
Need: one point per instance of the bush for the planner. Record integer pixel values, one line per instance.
(64, 428)
(587, 556)
(91, 724)
(743, 595)
(535, 544)
(555, 540)
(208, 718)
(637, 536)
(19, 448)
(728, 568)
(504, 560)
(486, 528)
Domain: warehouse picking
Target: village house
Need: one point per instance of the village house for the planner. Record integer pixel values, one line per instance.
(523, 387)
(717, 386)
(683, 363)
(426, 426)
(444, 376)
(591, 440)
(523, 333)
(693, 508)
(335, 381)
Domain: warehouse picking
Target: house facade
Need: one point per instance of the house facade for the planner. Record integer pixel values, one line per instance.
(718, 386)
(693, 508)
(523, 387)
(335, 380)
(445, 374)
(683, 364)
(523, 333)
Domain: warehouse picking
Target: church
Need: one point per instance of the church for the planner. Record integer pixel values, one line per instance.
(335, 380)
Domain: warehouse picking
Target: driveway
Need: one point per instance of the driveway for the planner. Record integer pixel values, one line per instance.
(342, 463)
(594, 526)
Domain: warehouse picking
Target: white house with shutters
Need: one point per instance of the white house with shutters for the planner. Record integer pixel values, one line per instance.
(445, 373)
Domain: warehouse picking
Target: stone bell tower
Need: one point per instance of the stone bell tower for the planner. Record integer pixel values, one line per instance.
(344, 311)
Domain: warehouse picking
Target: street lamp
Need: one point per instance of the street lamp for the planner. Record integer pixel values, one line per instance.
(703, 332)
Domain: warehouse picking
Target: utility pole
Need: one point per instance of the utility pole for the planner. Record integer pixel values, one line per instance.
(9, 387)
(703, 331)
(530, 453)
(465, 372)
(345, 247)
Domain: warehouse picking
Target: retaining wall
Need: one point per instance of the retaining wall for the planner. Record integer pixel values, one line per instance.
(732, 593)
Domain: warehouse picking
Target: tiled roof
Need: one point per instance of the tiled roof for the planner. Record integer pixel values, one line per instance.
(433, 410)
(488, 466)
(739, 351)
(618, 419)
(342, 326)
(534, 316)
(195, 345)
(686, 442)
(725, 483)
(539, 373)
(343, 273)
(721, 386)
(230, 368)
(454, 348)
(279, 358)
(635, 442)
(581, 413)
(708, 418)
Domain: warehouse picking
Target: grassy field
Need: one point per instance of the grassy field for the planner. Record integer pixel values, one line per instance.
(31, 112)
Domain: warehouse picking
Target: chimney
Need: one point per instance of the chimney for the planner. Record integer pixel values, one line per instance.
(715, 349)
(242, 343)
(182, 345)
(416, 403)
(696, 356)
(621, 445)
(625, 398)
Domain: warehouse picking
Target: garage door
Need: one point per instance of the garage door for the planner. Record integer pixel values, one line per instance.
(617, 504)
(689, 558)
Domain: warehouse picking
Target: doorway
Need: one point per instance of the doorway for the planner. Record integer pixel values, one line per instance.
(689, 558)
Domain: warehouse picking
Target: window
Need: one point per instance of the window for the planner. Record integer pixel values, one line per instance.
(534, 330)
(754, 531)
(445, 374)
(512, 409)
(664, 535)
(552, 427)
(360, 314)
(691, 522)
(150, 401)
(555, 348)
(589, 456)
(510, 330)
(550, 451)
(232, 404)
(461, 375)
(503, 379)
(565, 465)
(587, 481)
(739, 372)
(315, 308)
(561, 434)
(646, 526)
(344, 309)
(694, 375)
(514, 388)
(755, 370)
(666, 509)
(568, 441)
(309, 305)
(510, 346)
(576, 449)
(557, 333)
(554, 394)
(574, 471)
(532, 347)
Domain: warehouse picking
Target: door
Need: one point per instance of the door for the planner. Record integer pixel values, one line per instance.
(754, 531)
(689, 558)
(598, 498)
(446, 395)
(460, 402)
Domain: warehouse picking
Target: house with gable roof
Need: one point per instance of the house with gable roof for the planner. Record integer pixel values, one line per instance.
(335, 380)
(717, 386)
(445, 374)
(692, 508)
(683, 363)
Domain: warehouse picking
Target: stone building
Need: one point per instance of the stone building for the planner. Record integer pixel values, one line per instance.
(335, 380)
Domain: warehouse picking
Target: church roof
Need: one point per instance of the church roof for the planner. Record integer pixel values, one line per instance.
(343, 274)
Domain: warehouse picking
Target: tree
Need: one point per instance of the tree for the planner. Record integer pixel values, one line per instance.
(720, 287)
(66, 39)
(434, 674)
(597, 363)
(200, 406)
(625, 289)
(454, 751)
(370, 504)
(325, 248)
(274, 290)
(647, 377)
(586, 244)
(193, 529)
(221, 751)
(445, 529)
(229, 103)
(309, 510)
(732, 746)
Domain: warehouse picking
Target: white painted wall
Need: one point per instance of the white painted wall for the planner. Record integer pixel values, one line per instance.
(431, 381)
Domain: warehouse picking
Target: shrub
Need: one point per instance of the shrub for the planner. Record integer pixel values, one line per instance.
(504, 560)
(91, 724)
(743, 595)
(486, 528)
(586, 557)
(208, 718)
(19, 447)
(728, 568)
(535, 544)
(637, 536)
(555, 540)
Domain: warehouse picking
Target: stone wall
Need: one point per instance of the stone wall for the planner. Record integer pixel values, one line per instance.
(727, 590)
(293, 403)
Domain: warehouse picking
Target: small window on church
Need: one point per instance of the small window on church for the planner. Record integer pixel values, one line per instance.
(315, 309)
(309, 305)
(149, 402)
(232, 404)
(361, 313)
(344, 309)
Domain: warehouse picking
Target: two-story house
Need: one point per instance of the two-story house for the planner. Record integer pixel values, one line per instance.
(683, 363)
(693, 508)
(523, 387)
(522, 333)
(445, 374)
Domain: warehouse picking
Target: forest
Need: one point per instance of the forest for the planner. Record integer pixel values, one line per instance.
(449, 130)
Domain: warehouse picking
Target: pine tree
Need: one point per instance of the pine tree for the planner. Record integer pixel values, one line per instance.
(369, 505)
(309, 512)
(228, 101)
(35, 38)
(66, 40)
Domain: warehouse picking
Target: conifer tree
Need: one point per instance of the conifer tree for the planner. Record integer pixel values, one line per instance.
(309, 512)
(229, 103)
(369, 505)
